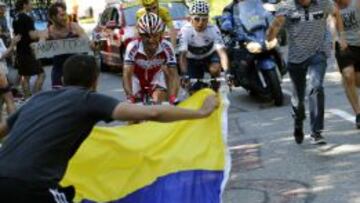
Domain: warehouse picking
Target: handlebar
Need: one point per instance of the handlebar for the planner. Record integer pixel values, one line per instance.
(208, 80)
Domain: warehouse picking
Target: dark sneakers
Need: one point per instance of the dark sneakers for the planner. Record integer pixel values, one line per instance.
(299, 135)
(317, 139)
(358, 121)
(298, 132)
(299, 117)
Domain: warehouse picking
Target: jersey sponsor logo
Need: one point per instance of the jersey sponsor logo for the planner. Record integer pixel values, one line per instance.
(133, 51)
(169, 51)
(147, 64)
(201, 50)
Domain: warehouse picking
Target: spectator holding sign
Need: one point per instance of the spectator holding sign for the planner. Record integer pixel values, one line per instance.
(26, 62)
(61, 28)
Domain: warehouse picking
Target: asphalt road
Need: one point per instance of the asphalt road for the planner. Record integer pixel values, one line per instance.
(267, 165)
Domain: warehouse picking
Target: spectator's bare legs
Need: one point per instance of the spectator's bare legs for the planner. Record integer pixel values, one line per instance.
(9, 101)
(39, 82)
(25, 83)
(358, 79)
(7, 95)
(351, 81)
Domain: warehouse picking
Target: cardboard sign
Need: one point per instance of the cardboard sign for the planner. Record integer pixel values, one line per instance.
(51, 48)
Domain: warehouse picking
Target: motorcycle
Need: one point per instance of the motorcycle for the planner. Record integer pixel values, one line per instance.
(256, 64)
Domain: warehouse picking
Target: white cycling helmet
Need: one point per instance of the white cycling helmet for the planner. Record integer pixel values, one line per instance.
(199, 7)
(150, 23)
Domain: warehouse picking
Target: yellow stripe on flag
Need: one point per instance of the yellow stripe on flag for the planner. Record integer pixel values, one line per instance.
(116, 161)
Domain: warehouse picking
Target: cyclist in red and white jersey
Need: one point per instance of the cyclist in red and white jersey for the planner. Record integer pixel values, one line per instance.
(145, 60)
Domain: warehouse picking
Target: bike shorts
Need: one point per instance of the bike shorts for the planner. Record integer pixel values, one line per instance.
(158, 82)
(198, 67)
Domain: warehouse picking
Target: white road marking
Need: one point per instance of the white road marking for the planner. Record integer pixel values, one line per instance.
(330, 76)
(244, 146)
(343, 114)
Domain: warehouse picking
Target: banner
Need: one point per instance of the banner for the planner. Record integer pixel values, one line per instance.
(180, 162)
(51, 48)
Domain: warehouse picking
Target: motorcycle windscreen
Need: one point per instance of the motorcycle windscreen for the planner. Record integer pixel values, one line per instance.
(251, 15)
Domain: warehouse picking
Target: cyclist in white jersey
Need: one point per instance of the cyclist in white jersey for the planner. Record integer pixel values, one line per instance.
(201, 46)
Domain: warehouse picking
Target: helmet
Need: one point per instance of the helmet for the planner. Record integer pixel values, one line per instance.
(148, 2)
(150, 23)
(199, 7)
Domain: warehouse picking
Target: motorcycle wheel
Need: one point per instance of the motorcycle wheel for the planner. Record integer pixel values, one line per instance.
(274, 84)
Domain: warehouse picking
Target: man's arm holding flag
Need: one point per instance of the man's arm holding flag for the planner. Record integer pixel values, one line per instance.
(164, 113)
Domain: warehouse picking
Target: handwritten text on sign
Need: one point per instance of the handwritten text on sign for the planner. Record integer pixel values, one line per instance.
(51, 48)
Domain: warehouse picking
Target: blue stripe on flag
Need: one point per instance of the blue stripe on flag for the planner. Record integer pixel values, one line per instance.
(182, 187)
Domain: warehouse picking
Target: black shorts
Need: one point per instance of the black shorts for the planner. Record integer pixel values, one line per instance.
(198, 67)
(348, 57)
(18, 191)
(28, 65)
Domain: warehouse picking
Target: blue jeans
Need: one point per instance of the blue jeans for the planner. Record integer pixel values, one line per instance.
(316, 67)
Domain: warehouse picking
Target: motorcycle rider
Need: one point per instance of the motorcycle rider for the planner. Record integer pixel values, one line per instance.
(231, 25)
(227, 17)
(201, 45)
(145, 59)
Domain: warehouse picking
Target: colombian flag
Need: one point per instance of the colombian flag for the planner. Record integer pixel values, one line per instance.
(180, 162)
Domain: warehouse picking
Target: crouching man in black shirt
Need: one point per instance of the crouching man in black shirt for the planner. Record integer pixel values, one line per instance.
(46, 132)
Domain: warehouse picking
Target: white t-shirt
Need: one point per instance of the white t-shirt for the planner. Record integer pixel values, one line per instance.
(199, 45)
(351, 20)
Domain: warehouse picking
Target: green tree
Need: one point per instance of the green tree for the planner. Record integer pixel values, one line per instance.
(217, 6)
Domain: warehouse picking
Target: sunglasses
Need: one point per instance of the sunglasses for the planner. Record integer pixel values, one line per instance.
(151, 8)
(200, 18)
